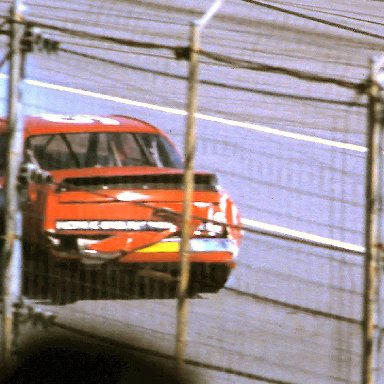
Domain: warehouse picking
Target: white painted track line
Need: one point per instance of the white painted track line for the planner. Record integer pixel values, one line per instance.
(175, 111)
(276, 229)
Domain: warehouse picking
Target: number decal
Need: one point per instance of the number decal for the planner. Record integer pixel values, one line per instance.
(79, 119)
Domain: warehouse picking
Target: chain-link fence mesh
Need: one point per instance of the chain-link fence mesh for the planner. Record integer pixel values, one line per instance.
(282, 121)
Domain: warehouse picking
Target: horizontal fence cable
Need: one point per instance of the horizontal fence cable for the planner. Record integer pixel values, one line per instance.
(295, 307)
(360, 87)
(219, 84)
(315, 19)
(183, 52)
(329, 13)
(98, 37)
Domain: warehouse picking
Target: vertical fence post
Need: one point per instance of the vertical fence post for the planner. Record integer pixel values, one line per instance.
(12, 250)
(188, 185)
(189, 148)
(370, 332)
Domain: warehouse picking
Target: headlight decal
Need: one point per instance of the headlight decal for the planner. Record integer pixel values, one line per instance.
(196, 245)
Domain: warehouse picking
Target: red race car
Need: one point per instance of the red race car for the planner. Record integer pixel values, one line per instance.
(106, 194)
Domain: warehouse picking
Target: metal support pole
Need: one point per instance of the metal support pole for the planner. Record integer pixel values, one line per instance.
(12, 251)
(189, 148)
(370, 330)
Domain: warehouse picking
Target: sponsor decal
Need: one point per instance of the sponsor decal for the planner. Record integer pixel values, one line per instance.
(78, 119)
(113, 225)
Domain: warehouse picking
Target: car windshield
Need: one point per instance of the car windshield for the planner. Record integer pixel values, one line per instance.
(101, 149)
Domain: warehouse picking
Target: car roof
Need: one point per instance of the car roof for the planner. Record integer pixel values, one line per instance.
(55, 123)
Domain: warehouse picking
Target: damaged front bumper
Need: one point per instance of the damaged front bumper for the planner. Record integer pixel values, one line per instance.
(202, 250)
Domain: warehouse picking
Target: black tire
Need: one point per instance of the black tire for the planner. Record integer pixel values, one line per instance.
(208, 277)
(35, 272)
(64, 284)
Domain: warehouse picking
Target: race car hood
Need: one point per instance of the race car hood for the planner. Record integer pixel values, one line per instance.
(112, 199)
(99, 215)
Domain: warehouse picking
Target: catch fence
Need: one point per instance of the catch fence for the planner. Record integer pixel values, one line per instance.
(282, 120)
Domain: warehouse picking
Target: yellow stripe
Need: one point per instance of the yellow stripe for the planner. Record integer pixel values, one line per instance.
(168, 246)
